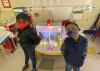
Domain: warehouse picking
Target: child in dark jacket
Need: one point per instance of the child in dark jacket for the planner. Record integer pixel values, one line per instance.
(74, 47)
(26, 39)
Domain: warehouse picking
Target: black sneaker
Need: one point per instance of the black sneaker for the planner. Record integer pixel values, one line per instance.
(25, 67)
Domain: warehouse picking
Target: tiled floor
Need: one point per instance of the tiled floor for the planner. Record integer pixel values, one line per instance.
(14, 62)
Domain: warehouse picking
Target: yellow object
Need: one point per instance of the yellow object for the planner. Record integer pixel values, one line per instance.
(91, 51)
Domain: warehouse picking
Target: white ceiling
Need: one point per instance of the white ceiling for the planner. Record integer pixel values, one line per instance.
(56, 1)
(52, 2)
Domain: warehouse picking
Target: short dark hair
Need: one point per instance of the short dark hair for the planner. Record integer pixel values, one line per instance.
(71, 23)
(22, 16)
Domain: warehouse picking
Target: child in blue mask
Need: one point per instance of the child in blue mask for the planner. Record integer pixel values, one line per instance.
(74, 47)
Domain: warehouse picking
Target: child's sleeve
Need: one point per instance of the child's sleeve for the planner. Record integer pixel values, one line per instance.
(63, 47)
(85, 48)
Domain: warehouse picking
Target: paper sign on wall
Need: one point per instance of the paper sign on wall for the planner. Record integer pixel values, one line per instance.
(6, 3)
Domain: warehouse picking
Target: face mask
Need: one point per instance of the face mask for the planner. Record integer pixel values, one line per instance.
(22, 26)
(72, 32)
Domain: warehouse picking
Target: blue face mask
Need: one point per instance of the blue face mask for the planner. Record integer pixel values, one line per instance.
(72, 32)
